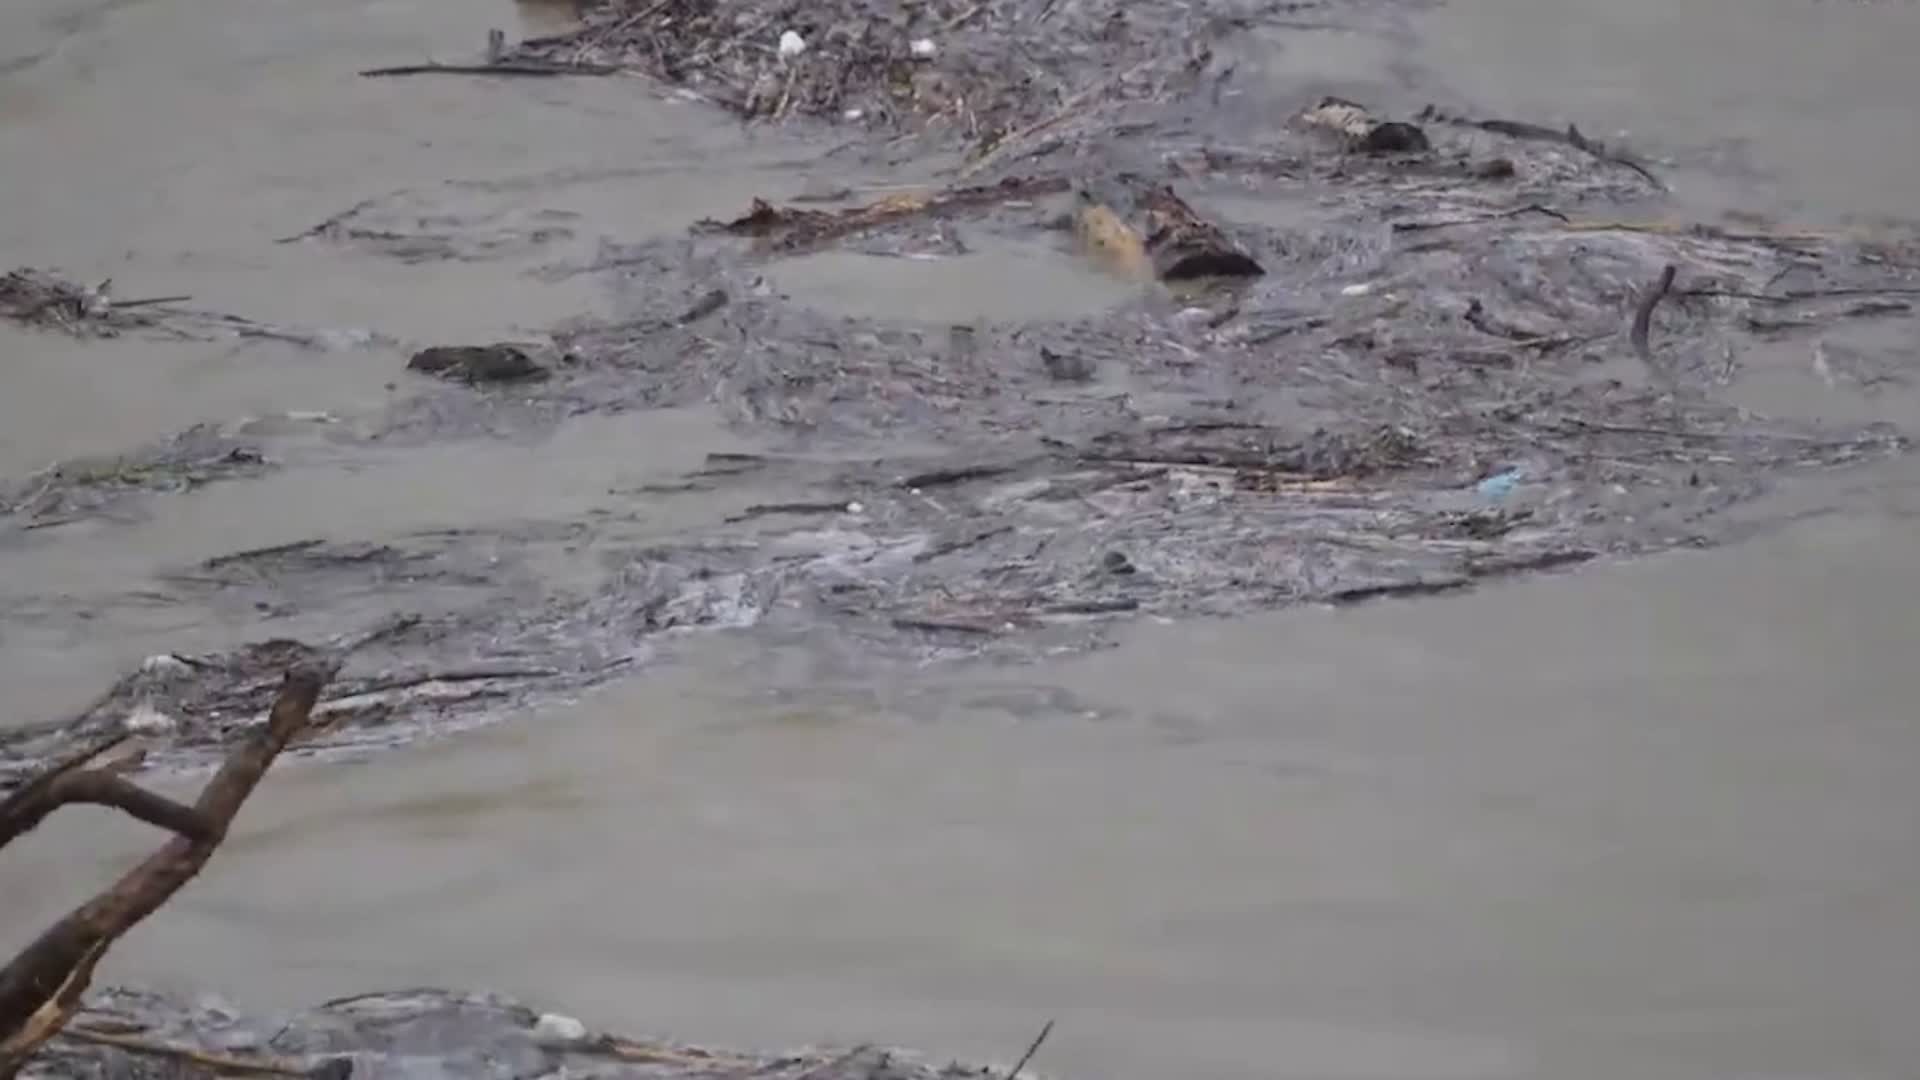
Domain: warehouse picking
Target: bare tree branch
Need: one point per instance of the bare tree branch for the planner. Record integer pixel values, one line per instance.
(40, 989)
(101, 788)
(23, 808)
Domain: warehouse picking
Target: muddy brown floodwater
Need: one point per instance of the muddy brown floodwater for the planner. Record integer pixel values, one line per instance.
(1652, 818)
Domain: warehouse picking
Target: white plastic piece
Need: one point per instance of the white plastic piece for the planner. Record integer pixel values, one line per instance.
(1361, 289)
(922, 48)
(147, 720)
(553, 1027)
(791, 45)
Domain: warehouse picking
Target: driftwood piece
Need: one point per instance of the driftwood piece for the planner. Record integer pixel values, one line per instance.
(1108, 240)
(40, 988)
(788, 229)
(792, 230)
(533, 68)
(498, 62)
(217, 1063)
(1183, 245)
(1362, 131)
(1516, 129)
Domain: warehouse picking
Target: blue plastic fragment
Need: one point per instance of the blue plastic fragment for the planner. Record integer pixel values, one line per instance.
(1499, 485)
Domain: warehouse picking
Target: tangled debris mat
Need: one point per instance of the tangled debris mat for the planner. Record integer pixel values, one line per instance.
(1470, 349)
(129, 1034)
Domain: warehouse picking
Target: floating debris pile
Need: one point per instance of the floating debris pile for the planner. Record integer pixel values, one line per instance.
(985, 70)
(131, 1034)
(1447, 373)
(46, 300)
(81, 487)
(1475, 352)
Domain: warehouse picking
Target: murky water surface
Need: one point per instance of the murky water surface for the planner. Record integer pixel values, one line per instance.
(1647, 820)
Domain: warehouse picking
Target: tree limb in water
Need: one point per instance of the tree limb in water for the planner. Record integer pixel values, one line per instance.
(101, 788)
(40, 988)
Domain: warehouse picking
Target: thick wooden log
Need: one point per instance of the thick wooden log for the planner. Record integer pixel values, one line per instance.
(1183, 245)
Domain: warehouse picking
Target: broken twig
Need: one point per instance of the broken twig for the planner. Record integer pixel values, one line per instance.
(1643, 315)
(946, 477)
(790, 230)
(769, 509)
(1032, 1049)
(503, 67)
(227, 1064)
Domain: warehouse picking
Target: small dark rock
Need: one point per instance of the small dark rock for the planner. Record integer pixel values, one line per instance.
(477, 363)
(1495, 169)
(713, 301)
(1116, 562)
(961, 339)
(1394, 137)
(1481, 358)
(1209, 264)
(1066, 367)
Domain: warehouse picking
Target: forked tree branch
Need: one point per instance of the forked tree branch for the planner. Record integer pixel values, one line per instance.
(40, 989)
